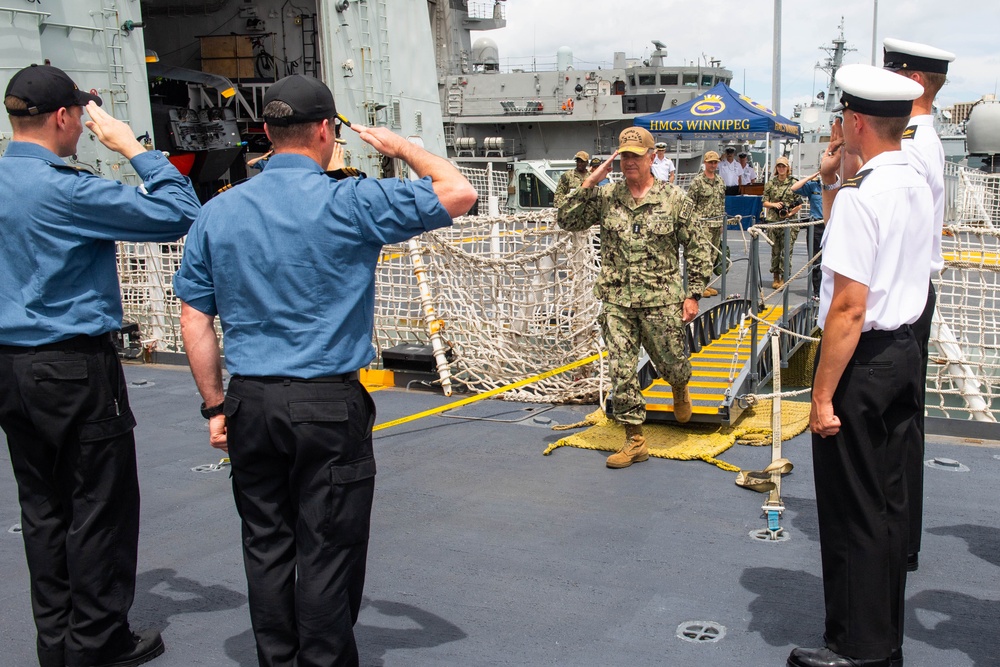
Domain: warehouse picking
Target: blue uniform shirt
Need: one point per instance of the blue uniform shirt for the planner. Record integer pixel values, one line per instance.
(58, 228)
(287, 261)
(815, 193)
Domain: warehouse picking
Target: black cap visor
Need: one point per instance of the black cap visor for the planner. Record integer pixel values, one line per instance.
(881, 108)
(895, 60)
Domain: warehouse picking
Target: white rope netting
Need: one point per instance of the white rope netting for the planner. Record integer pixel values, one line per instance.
(516, 296)
(964, 370)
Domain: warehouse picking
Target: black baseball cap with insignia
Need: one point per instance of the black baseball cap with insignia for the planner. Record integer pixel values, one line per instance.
(309, 98)
(898, 54)
(876, 92)
(44, 89)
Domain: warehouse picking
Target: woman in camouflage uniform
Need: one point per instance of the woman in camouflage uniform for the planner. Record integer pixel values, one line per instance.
(781, 204)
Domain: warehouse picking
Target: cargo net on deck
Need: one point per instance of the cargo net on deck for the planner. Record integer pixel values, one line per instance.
(515, 295)
(963, 375)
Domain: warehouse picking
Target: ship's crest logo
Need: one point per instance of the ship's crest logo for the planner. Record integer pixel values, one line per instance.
(711, 105)
(757, 105)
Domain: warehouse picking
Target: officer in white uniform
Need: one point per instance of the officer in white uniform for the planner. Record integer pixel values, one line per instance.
(927, 66)
(866, 388)
(730, 170)
(663, 167)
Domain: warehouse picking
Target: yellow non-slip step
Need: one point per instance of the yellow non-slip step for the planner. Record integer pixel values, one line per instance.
(695, 409)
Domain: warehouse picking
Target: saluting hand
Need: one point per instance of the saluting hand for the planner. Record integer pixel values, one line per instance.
(112, 132)
(337, 158)
(601, 172)
(384, 140)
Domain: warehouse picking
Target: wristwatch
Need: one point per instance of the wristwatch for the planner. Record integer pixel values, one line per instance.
(213, 411)
(831, 186)
(696, 296)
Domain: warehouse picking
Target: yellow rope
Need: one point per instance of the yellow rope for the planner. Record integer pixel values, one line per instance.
(492, 392)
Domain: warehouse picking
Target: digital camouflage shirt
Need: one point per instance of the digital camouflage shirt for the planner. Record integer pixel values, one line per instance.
(640, 264)
(775, 191)
(568, 182)
(709, 197)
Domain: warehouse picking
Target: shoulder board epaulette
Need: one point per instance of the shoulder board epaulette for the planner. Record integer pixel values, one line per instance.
(71, 167)
(346, 172)
(856, 181)
(229, 186)
(910, 132)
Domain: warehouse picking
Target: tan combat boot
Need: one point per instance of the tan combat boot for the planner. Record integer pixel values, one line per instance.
(710, 291)
(778, 282)
(682, 404)
(633, 451)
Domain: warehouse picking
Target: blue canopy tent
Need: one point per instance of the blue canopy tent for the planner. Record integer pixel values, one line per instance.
(722, 114)
(719, 113)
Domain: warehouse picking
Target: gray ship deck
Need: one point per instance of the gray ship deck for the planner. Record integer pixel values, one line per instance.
(484, 552)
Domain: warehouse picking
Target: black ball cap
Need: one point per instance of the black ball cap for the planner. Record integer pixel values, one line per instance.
(45, 89)
(311, 101)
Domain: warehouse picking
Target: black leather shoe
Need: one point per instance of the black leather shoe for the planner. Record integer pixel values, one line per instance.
(146, 645)
(912, 562)
(896, 659)
(824, 657)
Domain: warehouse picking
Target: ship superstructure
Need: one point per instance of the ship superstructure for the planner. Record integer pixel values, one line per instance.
(550, 110)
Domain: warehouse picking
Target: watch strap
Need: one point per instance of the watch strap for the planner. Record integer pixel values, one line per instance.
(213, 411)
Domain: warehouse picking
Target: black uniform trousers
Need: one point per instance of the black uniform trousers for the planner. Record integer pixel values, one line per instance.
(860, 476)
(915, 456)
(816, 240)
(303, 480)
(66, 414)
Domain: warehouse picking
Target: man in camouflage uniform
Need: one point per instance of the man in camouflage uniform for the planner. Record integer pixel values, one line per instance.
(643, 222)
(782, 205)
(708, 193)
(572, 179)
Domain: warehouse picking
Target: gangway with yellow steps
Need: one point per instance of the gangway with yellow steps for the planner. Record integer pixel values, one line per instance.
(723, 342)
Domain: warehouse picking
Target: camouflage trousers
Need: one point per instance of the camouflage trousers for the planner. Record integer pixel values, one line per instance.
(660, 330)
(715, 233)
(777, 236)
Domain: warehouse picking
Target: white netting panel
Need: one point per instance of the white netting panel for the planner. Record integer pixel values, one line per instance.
(146, 273)
(516, 296)
(488, 183)
(964, 371)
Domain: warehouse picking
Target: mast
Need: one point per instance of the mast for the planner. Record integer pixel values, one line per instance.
(833, 62)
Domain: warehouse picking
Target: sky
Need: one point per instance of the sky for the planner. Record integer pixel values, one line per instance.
(740, 34)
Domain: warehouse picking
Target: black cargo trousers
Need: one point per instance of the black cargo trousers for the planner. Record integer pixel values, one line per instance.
(65, 410)
(303, 480)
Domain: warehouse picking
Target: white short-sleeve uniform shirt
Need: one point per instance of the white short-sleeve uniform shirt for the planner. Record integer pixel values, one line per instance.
(879, 234)
(924, 150)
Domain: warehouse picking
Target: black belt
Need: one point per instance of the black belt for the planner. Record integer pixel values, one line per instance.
(80, 343)
(345, 377)
(901, 332)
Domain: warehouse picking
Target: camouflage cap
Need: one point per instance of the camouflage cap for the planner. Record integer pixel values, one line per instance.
(635, 140)
(711, 156)
(782, 161)
(582, 155)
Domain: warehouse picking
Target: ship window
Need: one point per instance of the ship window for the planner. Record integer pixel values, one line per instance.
(532, 193)
(631, 81)
(668, 79)
(706, 81)
(690, 79)
(647, 79)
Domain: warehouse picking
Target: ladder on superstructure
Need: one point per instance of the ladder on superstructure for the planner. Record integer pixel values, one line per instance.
(148, 255)
(310, 46)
